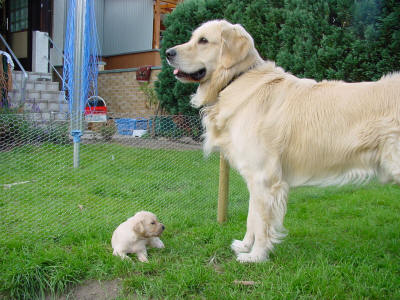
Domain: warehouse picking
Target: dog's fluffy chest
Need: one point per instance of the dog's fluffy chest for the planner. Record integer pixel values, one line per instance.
(234, 137)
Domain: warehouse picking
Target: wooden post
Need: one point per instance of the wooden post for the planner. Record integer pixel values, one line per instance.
(156, 24)
(223, 190)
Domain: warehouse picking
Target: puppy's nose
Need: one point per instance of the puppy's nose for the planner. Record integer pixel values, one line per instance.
(171, 53)
(163, 227)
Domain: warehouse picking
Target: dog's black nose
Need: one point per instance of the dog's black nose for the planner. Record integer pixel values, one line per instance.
(171, 53)
(163, 227)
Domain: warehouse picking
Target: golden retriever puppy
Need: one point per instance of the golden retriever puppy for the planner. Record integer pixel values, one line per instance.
(135, 234)
(280, 131)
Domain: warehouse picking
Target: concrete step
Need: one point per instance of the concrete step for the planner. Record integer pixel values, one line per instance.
(56, 101)
(37, 85)
(48, 116)
(44, 102)
(15, 95)
(17, 76)
(42, 105)
(45, 106)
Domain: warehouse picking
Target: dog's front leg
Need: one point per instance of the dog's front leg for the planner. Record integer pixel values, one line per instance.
(155, 242)
(245, 245)
(268, 202)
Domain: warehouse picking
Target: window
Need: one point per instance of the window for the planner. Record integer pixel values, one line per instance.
(18, 15)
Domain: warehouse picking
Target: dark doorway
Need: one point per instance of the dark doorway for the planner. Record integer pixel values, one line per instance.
(24, 17)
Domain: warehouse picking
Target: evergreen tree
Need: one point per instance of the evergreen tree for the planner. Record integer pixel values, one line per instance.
(174, 96)
(351, 40)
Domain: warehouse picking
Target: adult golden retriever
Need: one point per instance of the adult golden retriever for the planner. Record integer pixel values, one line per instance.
(281, 131)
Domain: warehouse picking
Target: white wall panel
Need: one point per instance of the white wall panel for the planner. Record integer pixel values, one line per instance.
(128, 26)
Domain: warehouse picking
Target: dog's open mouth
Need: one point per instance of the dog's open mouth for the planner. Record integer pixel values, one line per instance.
(196, 76)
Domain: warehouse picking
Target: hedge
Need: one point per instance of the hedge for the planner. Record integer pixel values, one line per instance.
(351, 40)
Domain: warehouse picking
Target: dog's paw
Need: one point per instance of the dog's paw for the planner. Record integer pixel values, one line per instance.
(240, 247)
(143, 259)
(251, 257)
(157, 243)
(160, 244)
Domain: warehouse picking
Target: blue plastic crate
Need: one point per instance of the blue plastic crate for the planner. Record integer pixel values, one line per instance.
(126, 126)
(142, 124)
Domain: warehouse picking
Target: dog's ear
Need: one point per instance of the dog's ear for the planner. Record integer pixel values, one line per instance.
(236, 44)
(138, 227)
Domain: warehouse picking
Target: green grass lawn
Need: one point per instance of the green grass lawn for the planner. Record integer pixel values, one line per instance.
(343, 243)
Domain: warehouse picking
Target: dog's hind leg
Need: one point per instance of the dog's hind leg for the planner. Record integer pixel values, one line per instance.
(268, 201)
(389, 170)
(121, 254)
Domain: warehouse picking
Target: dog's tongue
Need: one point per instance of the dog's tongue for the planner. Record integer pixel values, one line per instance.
(176, 71)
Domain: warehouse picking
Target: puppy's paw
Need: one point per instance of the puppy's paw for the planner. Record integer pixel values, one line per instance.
(143, 258)
(157, 243)
(240, 247)
(251, 257)
(160, 245)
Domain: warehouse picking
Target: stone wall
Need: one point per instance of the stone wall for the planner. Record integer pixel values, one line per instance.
(121, 91)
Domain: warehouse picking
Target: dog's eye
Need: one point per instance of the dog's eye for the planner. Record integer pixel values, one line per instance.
(152, 223)
(203, 40)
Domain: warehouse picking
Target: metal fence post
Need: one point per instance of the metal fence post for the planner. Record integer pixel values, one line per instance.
(77, 111)
(223, 190)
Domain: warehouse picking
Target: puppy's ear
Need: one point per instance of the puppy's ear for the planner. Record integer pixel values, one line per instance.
(236, 43)
(138, 227)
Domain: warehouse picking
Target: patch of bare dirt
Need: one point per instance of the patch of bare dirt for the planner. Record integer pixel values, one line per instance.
(93, 290)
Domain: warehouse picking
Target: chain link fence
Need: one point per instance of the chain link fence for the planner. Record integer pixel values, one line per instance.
(127, 164)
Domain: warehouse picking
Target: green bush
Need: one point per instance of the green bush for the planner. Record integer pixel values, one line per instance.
(16, 130)
(351, 40)
(176, 126)
(107, 130)
(174, 95)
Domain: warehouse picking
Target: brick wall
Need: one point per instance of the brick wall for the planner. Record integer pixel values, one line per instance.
(122, 94)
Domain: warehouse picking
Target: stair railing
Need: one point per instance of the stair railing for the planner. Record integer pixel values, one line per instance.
(54, 69)
(59, 51)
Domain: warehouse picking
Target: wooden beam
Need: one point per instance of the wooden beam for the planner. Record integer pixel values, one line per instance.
(156, 25)
(167, 5)
(171, 1)
(165, 11)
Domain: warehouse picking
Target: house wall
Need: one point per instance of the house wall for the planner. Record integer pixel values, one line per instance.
(59, 22)
(99, 11)
(128, 26)
(122, 93)
(123, 26)
(133, 60)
